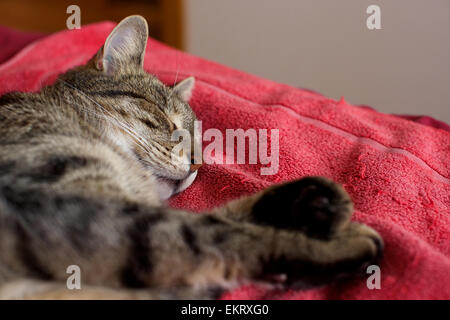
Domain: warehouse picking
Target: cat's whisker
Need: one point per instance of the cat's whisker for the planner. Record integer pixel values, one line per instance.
(176, 75)
(157, 153)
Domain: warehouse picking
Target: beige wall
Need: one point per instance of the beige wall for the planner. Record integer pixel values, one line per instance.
(325, 46)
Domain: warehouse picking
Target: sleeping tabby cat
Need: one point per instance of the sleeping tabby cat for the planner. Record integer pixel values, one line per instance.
(85, 167)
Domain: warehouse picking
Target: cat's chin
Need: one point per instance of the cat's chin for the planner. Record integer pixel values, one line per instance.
(168, 187)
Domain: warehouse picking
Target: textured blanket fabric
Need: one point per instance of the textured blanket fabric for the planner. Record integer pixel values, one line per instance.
(397, 171)
(11, 41)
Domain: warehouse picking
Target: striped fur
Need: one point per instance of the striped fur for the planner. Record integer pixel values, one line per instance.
(85, 167)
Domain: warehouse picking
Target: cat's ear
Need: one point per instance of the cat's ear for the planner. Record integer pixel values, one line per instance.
(184, 88)
(124, 47)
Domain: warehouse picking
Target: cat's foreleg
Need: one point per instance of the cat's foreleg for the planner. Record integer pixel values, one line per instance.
(314, 205)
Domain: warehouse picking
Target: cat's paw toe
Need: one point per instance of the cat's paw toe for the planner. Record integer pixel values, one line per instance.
(313, 205)
(372, 251)
(356, 248)
(346, 255)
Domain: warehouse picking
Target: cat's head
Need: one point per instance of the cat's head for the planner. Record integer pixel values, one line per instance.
(142, 113)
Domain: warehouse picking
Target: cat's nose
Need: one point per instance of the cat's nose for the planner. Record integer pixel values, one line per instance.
(195, 164)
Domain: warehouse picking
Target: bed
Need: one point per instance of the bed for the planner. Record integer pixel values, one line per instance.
(396, 168)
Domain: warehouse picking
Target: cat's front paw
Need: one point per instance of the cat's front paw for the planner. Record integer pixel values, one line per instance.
(357, 246)
(347, 254)
(303, 261)
(315, 206)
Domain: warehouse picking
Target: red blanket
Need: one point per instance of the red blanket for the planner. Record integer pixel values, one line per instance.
(397, 171)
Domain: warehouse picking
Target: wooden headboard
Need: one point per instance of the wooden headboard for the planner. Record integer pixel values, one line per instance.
(164, 16)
